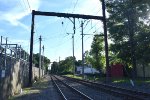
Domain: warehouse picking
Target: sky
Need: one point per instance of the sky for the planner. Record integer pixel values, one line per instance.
(15, 23)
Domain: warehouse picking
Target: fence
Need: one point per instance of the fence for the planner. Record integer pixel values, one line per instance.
(14, 68)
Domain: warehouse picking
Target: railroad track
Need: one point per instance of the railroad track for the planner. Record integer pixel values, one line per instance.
(67, 92)
(113, 90)
(92, 93)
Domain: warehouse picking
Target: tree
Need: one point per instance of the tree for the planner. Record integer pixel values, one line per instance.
(78, 63)
(36, 61)
(54, 68)
(88, 58)
(127, 25)
(64, 66)
(96, 52)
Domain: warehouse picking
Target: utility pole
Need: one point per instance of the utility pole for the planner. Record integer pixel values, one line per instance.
(31, 49)
(74, 31)
(5, 55)
(20, 52)
(5, 61)
(58, 64)
(40, 39)
(106, 42)
(1, 39)
(82, 50)
(43, 62)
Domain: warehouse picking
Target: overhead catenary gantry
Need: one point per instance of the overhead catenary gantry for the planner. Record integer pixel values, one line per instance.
(68, 15)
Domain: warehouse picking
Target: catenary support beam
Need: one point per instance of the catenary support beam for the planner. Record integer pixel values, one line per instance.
(67, 15)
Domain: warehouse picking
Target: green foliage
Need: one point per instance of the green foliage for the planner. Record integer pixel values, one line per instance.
(54, 67)
(129, 17)
(63, 67)
(36, 61)
(96, 56)
(78, 63)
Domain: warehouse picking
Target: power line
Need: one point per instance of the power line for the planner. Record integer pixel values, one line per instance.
(75, 6)
(29, 6)
(25, 5)
(22, 5)
(91, 28)
(72, 12)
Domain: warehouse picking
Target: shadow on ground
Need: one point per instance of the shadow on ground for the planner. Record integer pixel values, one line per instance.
(41, 90)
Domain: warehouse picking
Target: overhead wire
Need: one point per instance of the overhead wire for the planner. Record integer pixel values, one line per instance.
(29, 6)
(75, 6)
(24, 4)
(72, 12)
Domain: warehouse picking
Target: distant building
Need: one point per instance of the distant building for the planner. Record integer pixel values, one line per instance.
(87, 70)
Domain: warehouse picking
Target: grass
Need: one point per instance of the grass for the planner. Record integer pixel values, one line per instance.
(41, 84)
(74, 76)
(147, 81)
(113, 80)
(120, 80)
(36, 88)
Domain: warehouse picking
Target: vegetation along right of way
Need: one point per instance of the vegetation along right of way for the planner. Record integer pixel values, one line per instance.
(129, 33)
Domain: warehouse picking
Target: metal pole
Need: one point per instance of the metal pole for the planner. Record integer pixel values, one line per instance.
(16, 52)
(106, 42)
(20, 52)
(82, 50)
(5, 62)
(43, 62)
(73, 46)
(40, 39)
(1, 39)
(58, 65)
(31, 50)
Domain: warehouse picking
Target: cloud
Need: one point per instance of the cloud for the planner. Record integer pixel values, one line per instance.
(88, 7)
(15, 13)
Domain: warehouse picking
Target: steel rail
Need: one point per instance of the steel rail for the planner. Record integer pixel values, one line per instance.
(77, 91)
(138, 95)
(63, 96)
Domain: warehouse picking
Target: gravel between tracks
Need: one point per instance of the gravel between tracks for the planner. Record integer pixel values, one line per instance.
(95, 94)
(69, 94)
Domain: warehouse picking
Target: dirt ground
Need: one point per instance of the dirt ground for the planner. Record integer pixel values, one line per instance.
(41, 90)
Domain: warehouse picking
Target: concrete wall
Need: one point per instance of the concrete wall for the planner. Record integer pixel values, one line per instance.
(16, 77)
(35, 72)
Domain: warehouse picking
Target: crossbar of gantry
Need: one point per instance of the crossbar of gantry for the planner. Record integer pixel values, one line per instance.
(67, 15)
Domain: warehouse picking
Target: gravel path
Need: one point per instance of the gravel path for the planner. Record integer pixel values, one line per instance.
(43, 90)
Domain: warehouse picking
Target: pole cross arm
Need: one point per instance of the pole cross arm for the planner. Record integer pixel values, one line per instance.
(67, 15)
